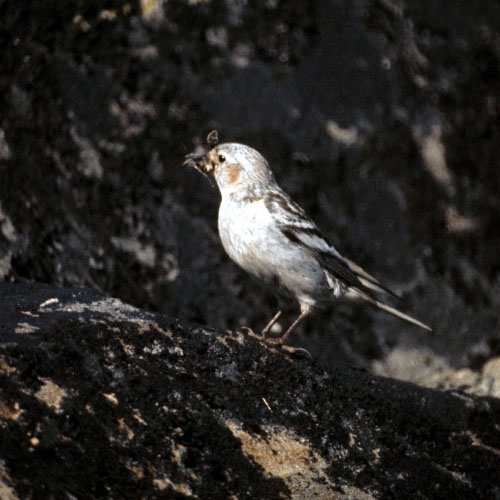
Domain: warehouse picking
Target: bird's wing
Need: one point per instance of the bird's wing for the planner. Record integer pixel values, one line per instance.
(301, 230)
(368, 280)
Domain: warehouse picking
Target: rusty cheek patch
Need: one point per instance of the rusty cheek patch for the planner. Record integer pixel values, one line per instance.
(233, 174)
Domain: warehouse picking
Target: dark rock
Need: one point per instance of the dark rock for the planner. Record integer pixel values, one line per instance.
(102, 400)
(99, 107)
(380, 117)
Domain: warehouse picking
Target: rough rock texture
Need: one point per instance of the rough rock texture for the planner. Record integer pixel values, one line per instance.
(102, 400)
(380, 117)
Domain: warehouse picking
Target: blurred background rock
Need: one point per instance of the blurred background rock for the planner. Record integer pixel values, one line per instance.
(380, 117)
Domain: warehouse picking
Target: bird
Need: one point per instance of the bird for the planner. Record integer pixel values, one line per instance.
(271, 237)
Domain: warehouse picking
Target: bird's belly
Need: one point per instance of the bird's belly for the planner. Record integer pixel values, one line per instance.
(252, 240)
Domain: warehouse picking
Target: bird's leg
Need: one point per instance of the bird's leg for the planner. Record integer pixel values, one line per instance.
(283, 338)
(271, 323)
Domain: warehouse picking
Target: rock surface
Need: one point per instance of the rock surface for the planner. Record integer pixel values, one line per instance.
(102, 400)
(380, 117)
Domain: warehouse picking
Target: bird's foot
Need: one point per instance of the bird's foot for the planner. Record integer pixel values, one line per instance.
(272, 340)
(297, 351)
(280, 341)
(248, 331)
(264, 335)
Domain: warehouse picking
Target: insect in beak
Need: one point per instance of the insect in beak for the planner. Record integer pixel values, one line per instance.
(202, 162)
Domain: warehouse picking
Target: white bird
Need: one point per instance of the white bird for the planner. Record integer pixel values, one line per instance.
(266, 233)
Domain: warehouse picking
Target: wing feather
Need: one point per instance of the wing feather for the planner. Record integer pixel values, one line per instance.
(301, 230)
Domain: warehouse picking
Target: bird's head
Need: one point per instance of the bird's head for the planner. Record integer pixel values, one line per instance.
(236, 167)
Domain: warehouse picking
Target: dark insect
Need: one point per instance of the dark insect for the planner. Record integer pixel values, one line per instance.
(213, 139)
(199, 161)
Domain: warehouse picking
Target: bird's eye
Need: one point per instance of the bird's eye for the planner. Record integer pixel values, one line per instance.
(222, 158)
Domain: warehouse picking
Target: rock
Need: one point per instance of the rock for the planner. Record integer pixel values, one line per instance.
(381, 118)
(99, 399)
(483, 382)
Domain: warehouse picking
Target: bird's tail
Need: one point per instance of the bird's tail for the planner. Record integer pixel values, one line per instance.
(391, 310)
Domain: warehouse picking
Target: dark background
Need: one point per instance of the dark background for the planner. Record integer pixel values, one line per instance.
(380, 117)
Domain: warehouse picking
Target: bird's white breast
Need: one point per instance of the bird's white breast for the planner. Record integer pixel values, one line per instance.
(247, 233)
(252, 238)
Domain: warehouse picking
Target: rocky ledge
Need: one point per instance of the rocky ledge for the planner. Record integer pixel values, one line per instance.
(99, 399)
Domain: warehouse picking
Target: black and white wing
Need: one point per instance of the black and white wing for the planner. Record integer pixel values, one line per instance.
(301, 230)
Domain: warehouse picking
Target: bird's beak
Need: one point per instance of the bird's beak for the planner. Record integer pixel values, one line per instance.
(201, 162)
(212, 162)
(206, 162)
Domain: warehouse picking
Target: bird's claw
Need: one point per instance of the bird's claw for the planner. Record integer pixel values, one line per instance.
(297, 351)
(248, 331)
(278, 342)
